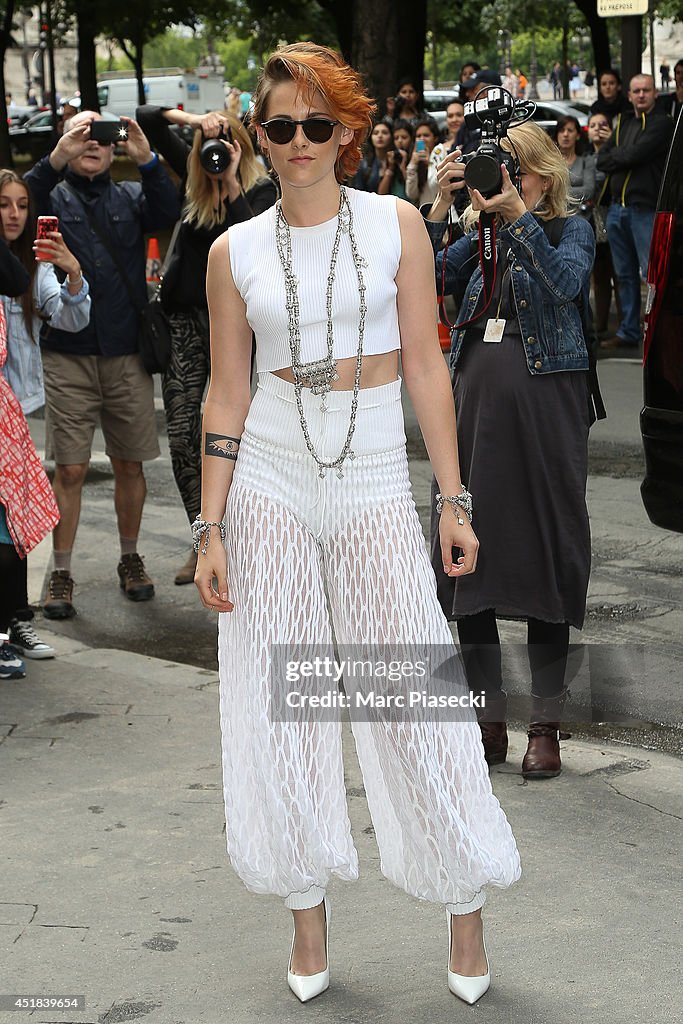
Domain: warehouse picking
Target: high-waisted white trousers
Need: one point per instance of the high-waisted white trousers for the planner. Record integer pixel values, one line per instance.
(441, 833)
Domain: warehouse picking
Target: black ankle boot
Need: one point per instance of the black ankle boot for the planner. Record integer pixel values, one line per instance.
(492, 722)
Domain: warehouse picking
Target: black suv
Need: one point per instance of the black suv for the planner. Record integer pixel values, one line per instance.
(661, 421)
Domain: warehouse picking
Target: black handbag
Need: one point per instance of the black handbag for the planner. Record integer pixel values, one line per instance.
(154, 341)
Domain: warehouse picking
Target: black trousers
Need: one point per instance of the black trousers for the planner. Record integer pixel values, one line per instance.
(548, 647)
(13, 587)
(182, 388)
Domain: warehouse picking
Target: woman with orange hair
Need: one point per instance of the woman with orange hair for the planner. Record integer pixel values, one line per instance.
(306, 500)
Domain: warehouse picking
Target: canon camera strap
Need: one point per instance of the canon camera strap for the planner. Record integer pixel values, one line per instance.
(487, 253)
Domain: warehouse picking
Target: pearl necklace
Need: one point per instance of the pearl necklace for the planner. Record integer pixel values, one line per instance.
(319, 374)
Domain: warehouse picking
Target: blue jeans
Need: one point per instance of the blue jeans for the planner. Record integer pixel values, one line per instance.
(628, 233)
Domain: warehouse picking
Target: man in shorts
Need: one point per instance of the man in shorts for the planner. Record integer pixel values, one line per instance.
(96, 374)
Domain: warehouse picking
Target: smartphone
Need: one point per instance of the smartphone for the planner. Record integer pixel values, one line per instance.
(45, 225)
(108, 131)
(420, 146)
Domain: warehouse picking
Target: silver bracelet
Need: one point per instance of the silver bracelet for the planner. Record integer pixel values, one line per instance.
(201, 528)
(457, 501)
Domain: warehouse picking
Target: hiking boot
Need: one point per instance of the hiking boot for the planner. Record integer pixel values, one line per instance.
(11, 666)
(25, 640)
(133, 579)
(60, 591)
(186, 572)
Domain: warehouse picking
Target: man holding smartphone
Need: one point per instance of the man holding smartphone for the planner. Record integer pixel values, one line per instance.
(96, 374)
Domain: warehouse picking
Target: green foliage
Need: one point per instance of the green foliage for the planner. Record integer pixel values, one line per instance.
(241, 67)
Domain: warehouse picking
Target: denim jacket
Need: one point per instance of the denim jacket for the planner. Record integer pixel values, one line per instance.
(56, 306)
(545, 283)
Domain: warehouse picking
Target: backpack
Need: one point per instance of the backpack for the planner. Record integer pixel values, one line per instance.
(553, 231)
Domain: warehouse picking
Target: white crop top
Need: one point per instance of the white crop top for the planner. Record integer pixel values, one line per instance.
(258, 275)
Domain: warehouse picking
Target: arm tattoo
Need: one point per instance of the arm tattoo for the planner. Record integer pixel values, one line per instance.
(225, 447)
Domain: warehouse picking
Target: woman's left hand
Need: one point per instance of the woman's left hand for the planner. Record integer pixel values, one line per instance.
(453, 535)
(53, 249)
(508, 202)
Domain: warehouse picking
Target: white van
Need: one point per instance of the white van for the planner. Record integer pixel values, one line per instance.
(198, 92)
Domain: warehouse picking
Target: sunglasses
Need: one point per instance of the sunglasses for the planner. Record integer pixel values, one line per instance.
(282, 130)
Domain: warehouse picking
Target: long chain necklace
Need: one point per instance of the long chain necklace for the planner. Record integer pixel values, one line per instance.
(319, 374)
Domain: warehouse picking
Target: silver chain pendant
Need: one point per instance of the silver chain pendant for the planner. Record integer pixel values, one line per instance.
(319, 374)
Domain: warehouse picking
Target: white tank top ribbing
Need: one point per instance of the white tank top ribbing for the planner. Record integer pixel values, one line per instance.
(257, 273)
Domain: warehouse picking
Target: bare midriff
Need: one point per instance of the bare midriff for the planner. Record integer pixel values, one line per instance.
(376, 370)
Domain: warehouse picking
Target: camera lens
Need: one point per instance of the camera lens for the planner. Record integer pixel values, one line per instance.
(483, 173)
(214, 156)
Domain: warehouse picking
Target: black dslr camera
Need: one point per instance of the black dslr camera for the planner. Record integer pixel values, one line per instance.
(214, 157)
(494, 111)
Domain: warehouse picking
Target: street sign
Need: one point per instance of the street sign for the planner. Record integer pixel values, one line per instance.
(621, 8)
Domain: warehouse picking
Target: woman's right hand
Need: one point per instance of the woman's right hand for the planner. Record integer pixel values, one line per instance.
(212, 124)
(450, 176)
(213, 566)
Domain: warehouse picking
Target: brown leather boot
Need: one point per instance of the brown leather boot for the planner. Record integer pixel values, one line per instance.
(494, 734)
(542, 758)
(186, 573)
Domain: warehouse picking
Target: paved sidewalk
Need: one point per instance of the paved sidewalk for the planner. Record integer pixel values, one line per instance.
(116, 885)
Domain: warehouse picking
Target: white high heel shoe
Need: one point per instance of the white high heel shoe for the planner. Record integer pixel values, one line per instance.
(461, 985)
(307, 986)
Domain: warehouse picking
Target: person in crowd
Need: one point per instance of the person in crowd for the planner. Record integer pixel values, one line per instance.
(408, 105)
(634, 157)
(383, 168)
(421, 183)
(97, 373)
(213, 201)
(672, 102)
(404, 139)
(604, 280)
(522, 83)
(45, 301)
(28, 510)
(234, 103)
(295, 492)
(455, 119)
(468, 69)
(581, 164)
(523, 406)
(510, 81)
(555, 79)
(665, 73)
(611, 100)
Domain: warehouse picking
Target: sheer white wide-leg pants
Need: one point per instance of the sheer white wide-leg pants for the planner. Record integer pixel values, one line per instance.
(441, 833)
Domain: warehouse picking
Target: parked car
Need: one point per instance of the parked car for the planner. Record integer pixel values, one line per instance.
(548, 112)
(661, 420)
(34, 137)
(436, 101)
(18, 114)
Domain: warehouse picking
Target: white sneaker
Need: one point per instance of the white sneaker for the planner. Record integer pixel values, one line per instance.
(11, 666)
(26, 641)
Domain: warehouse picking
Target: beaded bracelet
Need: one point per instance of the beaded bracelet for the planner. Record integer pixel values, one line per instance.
(458, 501)
(201, 528)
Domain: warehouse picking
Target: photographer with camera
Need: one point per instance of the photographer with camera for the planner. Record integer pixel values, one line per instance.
(222, 183)
(523, 402)
(96, 373)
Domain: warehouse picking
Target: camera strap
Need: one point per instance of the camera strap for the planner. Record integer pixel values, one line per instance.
(487, 253)
(488, 261)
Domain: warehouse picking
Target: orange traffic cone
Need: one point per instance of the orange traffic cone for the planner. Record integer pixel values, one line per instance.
(153, 262)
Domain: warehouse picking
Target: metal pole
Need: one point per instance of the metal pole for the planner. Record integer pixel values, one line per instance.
(533, 68)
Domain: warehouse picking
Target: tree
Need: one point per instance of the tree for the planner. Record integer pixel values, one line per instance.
(7, 15)
(133, 25)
